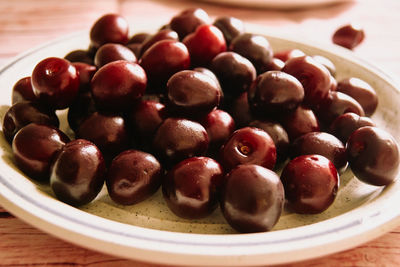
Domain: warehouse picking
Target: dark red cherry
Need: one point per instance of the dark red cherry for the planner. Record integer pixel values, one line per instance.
(192, 94)
(373, 155)
(230, 27)
(252, 198)
(82, 56)
(133, 176)
(327, 63)
(348, 36)
(275, 93)
(278, 135)
(248, 145)
(112, 52)
(55, 82)
(110, 28)
(240, 111)
(323, 144)
(80, 109)
(77, 174)
(163, 59)
(177, 139)
(191, 188)
(86, 73)
(117, 85)
(285, 55)
(23, 113)
(145, 118)
(344, 125)
(34, 147)
(166, 34)
(311, 183)
(188, 20)
(336, 104)
(139, 38)
(299, 122)
(219, 126)
(204, 44)
(314, 77)
(361, 91)
(255, 48)
(234, 72)
(275, 64)
(23, 91)
(107, 131)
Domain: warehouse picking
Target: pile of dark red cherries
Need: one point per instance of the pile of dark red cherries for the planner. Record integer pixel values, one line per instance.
(204, 110)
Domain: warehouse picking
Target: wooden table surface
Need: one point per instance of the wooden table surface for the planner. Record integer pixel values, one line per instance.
(28, 23)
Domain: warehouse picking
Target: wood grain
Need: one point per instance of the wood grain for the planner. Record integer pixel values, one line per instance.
(27, 23)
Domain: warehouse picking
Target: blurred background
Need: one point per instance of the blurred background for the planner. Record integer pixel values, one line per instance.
(25, 24)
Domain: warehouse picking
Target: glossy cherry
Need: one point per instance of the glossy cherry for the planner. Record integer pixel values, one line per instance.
(252, 198)
(255, 48)
(336, 104)
(230, 27)
(327, 63)
(145, 118)
(314, 77)
(34, 147)
(85, 72)
(23, 113)
(373, 155)
(166, 34)
(133, 176)
(163, 59)
(349, 36)
(278, 135)
(80, 109)
(323, 144)
(188, 20)
(23, 91)
(275, 93)
(204, 44)
(55, 82)
(117, 85)
(240, 111)
(77, 173)
(234, 72)
(248, 145)
(82, 56)
(108, 132)
(299, 122)
(219, 126)
(110, 28)
(112, 52)
(191, 188)
(177, 139)
(192, 94)
(285, 55)
(361, 91)
(344, 125)
(311, 183)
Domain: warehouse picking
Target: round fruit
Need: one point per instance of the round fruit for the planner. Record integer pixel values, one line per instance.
(133, 176)
(55, 82)
(311, 183)
(252, 198)
(373, 155)
(118, 84)
(34, 147)
(77, 174)
(248, 145)
(191, 188)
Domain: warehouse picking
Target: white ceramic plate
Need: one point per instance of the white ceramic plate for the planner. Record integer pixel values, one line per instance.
(150, 232)
(279, 4)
